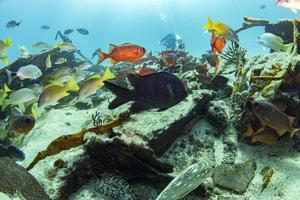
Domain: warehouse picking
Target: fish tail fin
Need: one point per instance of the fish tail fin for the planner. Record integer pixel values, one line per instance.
(18, 24)
(108, 75)
(10, 76)
(6, 89)
(102, 56)
(4, 104)
(5, 60)
(289, 47)
(124, 95)
(209, 25)
(72, 85)
(36, 113)
(8, 42)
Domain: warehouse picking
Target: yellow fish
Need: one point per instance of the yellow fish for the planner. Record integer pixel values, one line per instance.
(221, 30)
(91, 85)
(3, 94)
(56, 91)
(4, 59)
(4, 44)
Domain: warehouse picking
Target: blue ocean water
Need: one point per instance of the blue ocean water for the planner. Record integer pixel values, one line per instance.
(144, 22)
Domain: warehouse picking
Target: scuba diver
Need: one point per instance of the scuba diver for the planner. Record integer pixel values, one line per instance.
(172, 41)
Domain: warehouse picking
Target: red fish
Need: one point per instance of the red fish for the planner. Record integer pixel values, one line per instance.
(217, 45)
(123, 53)
(144, 71)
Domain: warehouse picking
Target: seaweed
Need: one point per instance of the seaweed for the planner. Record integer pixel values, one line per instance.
(67, 142)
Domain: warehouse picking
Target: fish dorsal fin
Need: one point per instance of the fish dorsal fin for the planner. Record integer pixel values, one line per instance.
(125, 44)
(134, 80)
(111, 47)
(54, 83)
(96, 76)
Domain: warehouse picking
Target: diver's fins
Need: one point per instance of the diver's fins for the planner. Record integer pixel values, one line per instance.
(124, 95)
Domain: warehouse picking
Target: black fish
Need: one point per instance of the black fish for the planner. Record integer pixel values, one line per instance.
(12, 24)
(45, 27)
(159, 90)
(68, 31)
(82, 31)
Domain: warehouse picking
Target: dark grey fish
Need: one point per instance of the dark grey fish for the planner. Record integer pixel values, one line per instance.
(13, 24)
(262, 6)
(10, 151)
(45, 27)
(68, 31)
(82, 31)
(159, 90)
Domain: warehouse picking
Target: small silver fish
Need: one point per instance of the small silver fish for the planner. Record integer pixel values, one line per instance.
(26, 72)
(48, 62)
(60, 61)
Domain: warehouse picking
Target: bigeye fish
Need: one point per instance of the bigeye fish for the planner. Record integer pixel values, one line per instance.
(4, 44)
(158, 90)
(274, 42)
(20, 98)
(123, 53)
(221, 30)
(26, 72)
(294, 5)
(269, 115)
(91, 85)
(56, 91)
(19, 124)
(13, 24)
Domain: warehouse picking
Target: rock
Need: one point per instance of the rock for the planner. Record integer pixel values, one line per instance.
(15, 179)
(235, 178)
(217, 115)
(161, 129)
(114, 187)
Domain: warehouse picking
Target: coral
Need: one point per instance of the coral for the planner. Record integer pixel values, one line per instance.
(235, 55)
(235, 178)
(67, 142)
(186, 181)
(130, 159)
(115, 187)
(217, 115)
(267, 174)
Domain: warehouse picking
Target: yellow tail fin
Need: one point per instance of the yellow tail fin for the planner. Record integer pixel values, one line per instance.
(8, 42)
(107, 74)
(72, 85)
(209, 25)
